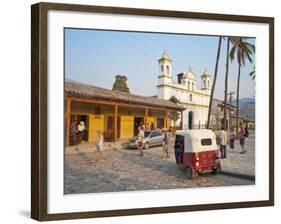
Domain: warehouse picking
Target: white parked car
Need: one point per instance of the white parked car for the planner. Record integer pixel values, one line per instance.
(151, 138)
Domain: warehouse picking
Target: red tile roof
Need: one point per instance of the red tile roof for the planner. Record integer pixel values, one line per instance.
(73, 88)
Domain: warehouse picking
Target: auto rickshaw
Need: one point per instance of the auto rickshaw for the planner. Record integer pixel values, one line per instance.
(197, 151)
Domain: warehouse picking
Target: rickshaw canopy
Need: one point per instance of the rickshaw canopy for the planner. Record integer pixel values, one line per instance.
(198, 140)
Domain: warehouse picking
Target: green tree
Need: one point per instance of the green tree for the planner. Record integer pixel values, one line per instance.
(174, 116)
(214, 82)
(242, 50)
(120, 84)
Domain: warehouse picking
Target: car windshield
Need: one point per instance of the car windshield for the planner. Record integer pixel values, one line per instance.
(147, 133)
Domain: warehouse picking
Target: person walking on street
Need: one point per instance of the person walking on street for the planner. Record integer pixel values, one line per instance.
(166, 138)
(246, 131)
(223, 143)
(99, 144)
(242, 138)
(141, 139)
(232, 137)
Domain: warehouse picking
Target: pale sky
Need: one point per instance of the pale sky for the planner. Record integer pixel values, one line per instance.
(96, 56)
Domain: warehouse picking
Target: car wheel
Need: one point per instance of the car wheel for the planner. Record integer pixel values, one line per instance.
(189, 173)
(146, 145)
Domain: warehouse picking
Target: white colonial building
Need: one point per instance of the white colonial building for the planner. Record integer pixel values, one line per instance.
(186, 90)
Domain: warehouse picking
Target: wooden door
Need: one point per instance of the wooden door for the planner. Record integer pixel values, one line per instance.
(96, 123)
(127, 127)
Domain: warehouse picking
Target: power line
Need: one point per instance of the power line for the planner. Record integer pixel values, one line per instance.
(93, 77)
(135, 48)
(90, 48)
(127, 43)
(170, 52)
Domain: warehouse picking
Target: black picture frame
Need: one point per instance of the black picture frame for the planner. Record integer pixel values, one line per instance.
(39, 107)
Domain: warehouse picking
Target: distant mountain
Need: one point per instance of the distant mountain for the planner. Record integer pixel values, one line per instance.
(247, 100)
(246, 107)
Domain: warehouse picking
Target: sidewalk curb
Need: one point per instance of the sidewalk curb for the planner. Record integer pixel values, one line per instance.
(238, 175)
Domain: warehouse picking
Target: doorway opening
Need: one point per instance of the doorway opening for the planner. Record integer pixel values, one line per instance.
(137, 122)
(190, 120)
(160, 122)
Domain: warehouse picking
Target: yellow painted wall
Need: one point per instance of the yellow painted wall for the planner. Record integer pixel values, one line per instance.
(167, 122)
(150, 120)
(126, 127)
(96, 123)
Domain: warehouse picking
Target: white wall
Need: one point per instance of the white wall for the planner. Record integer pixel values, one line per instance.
(15, 111)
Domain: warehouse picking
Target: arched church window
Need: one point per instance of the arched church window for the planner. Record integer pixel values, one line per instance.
(188, 85)
(168, 69)
(193, 86)
(190, 97)
(162, 68)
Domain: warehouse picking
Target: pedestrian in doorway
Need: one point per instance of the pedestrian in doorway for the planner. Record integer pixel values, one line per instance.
(223, 143)
(81, 129)
(141, 139)
(147, 128)
(166, 142)
(99, 144)
(232, 137)
(242, 138)
(152, 126)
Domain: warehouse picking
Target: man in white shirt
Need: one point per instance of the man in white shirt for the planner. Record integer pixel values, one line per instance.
(223, 143)
(141, 139)
(81, 128)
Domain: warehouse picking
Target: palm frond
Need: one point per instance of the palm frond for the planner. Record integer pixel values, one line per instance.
(232, 53)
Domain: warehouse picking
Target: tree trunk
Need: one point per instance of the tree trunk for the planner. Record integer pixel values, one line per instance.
(214, 82)
(237, 100)
(226, 84)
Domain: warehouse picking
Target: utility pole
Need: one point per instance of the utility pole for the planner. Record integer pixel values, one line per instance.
(231, 96)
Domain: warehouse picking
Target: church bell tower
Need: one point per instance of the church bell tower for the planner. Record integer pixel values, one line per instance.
(206, 81)
(164, 77)
(165, 69)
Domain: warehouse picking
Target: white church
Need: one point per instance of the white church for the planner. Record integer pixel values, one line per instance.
(185, 89)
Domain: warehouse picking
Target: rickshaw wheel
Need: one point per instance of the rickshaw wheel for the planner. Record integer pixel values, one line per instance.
(189, 173)
(215, 171)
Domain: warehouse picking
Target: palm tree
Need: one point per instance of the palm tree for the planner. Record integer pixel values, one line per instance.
(226, 83)
(214, 82)
(243, 51)
(253, 73)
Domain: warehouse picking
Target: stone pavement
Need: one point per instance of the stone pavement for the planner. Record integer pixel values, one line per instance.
(241, 163)
(124, 170)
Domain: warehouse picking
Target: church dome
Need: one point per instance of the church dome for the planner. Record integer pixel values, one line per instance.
(189, 74)
(205, 74)
(165, 56)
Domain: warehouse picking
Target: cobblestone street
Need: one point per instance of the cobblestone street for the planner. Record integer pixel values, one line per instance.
(124, 170)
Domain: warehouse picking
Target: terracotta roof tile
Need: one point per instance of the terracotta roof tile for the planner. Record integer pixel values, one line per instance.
(73, 88)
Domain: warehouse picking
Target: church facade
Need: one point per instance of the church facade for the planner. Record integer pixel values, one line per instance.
(186, 89)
